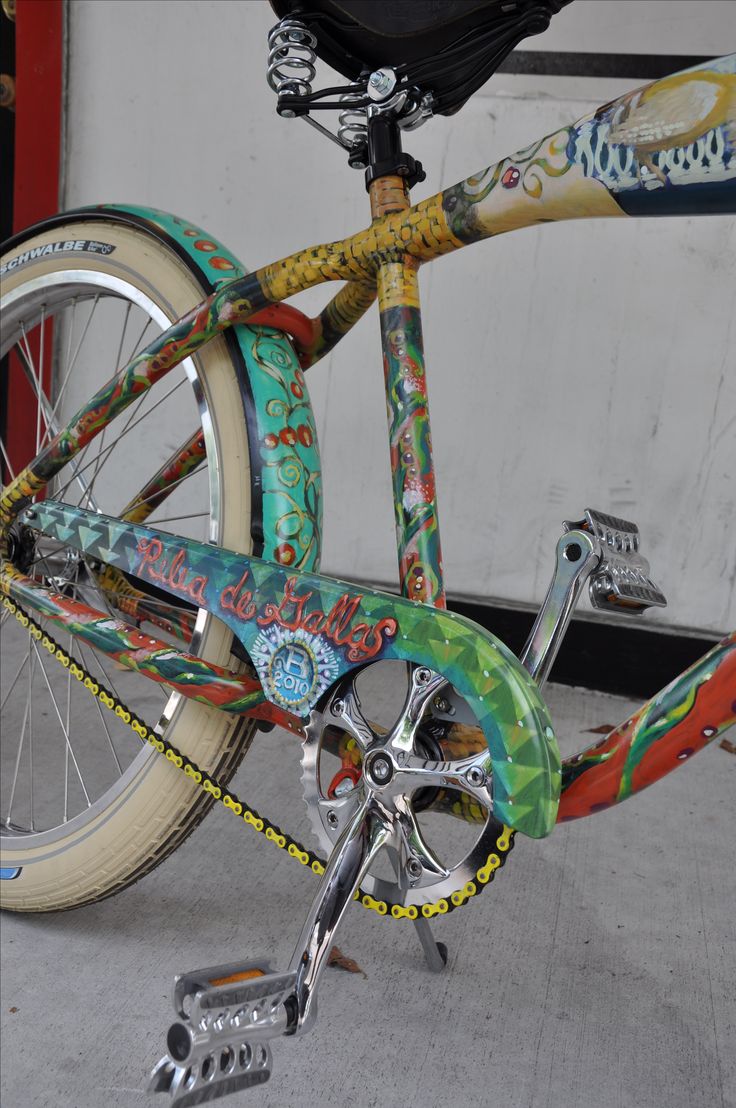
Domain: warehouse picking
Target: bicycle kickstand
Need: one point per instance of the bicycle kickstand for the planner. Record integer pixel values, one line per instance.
(435, 954)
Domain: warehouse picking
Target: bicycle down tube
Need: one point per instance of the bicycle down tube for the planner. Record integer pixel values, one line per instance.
(615, 163)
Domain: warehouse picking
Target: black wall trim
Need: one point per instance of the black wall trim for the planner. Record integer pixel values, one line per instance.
(558, 63)
(630, 661)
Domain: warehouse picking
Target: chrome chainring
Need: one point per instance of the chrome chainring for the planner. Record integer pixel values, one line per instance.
(398, 764)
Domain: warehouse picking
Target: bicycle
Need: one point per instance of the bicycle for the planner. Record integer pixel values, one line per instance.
(248, 633)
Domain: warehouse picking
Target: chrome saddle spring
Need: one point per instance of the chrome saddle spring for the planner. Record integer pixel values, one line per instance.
(291, 58)
(353, 128)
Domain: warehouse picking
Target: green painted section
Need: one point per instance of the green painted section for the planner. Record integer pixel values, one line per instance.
(285, 462)
(303, 632)
(412, 468)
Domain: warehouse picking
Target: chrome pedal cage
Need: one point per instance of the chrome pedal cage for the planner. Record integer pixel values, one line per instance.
(603, 550)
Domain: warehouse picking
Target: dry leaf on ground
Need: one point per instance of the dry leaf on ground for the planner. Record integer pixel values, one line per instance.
(337, 958)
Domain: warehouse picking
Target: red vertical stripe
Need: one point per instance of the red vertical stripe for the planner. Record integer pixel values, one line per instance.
(38, 84)
(38, 81)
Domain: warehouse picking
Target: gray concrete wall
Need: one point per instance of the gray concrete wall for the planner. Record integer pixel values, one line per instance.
(572, 365)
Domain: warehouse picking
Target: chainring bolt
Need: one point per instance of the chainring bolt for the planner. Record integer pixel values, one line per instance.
(414, 868)
(475, 776)
(338, 707)
(423, 676)
(332, 818)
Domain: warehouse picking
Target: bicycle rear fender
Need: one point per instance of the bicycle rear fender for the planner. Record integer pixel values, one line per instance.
(286, 475)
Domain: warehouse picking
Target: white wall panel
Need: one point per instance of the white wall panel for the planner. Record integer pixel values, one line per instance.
(571, 365)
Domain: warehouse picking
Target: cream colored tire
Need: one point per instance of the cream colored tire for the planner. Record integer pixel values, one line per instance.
(136, 822)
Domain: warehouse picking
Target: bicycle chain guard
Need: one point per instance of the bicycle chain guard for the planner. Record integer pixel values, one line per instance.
(303, 632)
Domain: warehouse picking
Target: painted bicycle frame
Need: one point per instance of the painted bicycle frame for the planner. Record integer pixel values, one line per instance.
(666, 149)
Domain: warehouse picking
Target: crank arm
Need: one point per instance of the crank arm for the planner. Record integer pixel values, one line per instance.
(355, 851)
(577, 555)
(227, 1014)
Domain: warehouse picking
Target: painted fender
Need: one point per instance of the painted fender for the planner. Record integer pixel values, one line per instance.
(286, 475)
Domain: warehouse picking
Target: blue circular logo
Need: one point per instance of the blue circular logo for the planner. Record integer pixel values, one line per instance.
(293, 674)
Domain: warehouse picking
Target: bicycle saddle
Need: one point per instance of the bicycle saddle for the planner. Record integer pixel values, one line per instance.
(446, 47)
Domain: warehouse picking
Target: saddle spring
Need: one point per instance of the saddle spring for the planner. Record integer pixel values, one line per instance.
(291, 58)
(353, 120)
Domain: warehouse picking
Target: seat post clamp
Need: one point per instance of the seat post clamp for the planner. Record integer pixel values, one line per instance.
(404, 166)
(384, 156)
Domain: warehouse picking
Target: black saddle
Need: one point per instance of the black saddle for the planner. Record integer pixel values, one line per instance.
(446, 47)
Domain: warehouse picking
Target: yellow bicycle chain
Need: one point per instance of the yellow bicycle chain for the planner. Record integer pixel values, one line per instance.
(248, 815)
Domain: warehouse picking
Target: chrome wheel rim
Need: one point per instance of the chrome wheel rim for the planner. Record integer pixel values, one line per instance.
(80, 302)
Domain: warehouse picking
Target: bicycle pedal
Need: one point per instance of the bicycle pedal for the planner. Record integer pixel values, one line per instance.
(219, 1043)
(621, 579)
(194, 1085)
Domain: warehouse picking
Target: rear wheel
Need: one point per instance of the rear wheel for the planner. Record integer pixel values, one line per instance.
(84, 808)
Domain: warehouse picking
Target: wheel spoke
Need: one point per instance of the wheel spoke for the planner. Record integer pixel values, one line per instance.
(175, 519)
(126, 430)
(138, 342)
(61, 724)
(84, 656)
(6, 459)
(68, 731)
(106, 729)
(39, 386)
(83, 336)
(126, 317)
(139, 501)
(117, 364)
(20, 748)
(30, 731)
(43, 407)
(18, 672)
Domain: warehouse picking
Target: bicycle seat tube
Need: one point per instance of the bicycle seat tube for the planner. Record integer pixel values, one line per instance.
(415, 501)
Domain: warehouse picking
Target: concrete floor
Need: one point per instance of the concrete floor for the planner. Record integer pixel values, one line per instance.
(599, 971)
